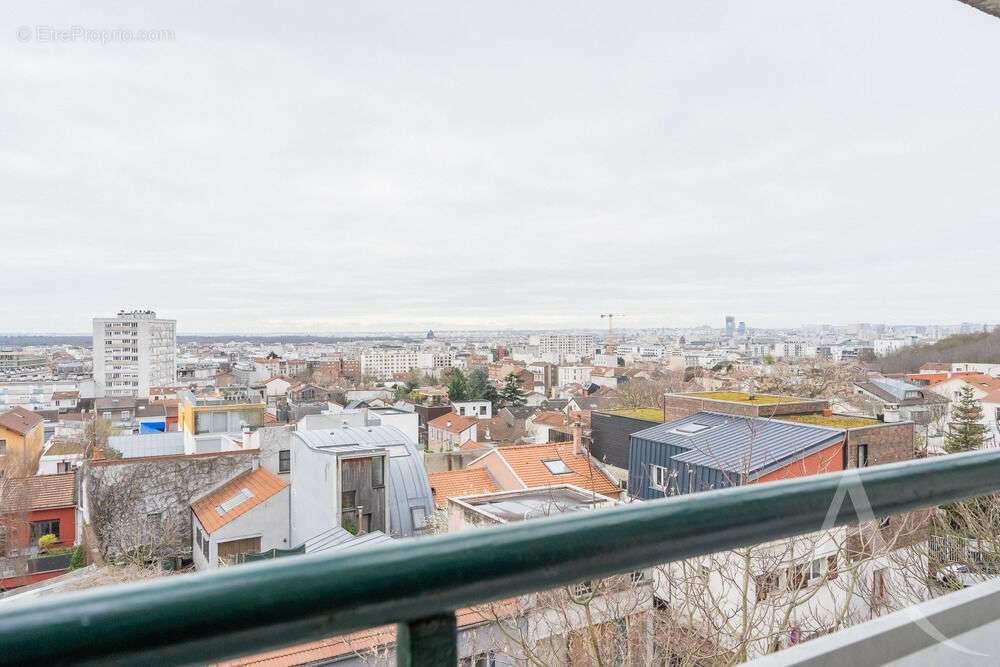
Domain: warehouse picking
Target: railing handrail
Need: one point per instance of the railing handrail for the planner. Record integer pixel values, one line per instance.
(277, 603)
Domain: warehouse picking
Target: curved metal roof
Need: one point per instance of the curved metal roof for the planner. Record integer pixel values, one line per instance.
(409, 488)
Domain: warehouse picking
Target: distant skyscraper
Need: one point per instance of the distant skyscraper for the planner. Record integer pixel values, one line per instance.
(730, 325)
(741, 329)
(133, 352)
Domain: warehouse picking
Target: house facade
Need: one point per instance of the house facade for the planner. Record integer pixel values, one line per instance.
(22, 437)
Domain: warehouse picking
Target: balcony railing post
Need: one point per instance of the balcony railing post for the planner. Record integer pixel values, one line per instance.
(427, 642)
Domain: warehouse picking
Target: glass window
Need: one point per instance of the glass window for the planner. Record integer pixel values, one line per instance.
(285, 460)
(862, 456)
(419, 517)
(47, 527)
(348, 499)
(557, 467)
(378, 476)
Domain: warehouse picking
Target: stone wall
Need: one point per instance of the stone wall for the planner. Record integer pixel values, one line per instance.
(140, 508)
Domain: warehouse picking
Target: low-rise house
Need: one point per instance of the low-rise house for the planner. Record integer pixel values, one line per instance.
(61, 456)
(22, 438)
(120, 411)
(449, 431)
(477, 409)
(550, 426)
(896, 400)
(548, 465)
(30, 508)
(276, 386)
(65, 401)
(307, 393)
(363, 479)
(246, 515)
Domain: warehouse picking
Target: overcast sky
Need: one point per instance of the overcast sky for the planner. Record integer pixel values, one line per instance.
(338, 166)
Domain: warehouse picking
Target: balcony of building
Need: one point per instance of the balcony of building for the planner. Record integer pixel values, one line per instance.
(417, 585)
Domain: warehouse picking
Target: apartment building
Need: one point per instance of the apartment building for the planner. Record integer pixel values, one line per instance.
(382, 362)
(133, 352)
(579, 344)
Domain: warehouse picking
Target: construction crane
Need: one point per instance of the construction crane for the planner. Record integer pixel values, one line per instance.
(611, 336)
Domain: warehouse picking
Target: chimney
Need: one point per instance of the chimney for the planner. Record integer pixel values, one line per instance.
(890, 415)
(577, 438)
(98, 454)
(827, 412)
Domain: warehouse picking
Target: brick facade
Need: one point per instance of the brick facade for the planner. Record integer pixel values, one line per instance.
(676, 406)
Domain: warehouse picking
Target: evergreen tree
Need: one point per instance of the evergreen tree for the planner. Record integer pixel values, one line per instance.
(458, 385)
(511, 393)
(479, 381)
(965, 433)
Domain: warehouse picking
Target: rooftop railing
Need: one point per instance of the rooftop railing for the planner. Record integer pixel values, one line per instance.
(420, 583)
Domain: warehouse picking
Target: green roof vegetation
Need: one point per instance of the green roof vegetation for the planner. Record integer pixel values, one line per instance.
(649, 414)
(737, 397)
(836, 421)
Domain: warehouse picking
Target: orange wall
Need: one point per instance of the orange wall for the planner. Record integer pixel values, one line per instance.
(825, 460)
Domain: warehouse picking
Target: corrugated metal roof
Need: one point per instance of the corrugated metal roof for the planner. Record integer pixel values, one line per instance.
(408, 485)
(740, 444)
(149, 444)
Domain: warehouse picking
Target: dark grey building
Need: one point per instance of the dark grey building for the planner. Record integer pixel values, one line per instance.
(711, 450)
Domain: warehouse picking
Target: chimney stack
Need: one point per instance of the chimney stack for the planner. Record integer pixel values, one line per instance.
(98, 454)
(577, 438)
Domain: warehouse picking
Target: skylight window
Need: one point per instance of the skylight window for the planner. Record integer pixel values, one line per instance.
(693, 427)
(234, 502)
(557, 467)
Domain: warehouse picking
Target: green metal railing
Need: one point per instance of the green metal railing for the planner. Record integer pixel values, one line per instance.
(420, 583)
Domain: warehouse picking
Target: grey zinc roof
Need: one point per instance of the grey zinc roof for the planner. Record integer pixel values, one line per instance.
(338, 539)
(741, 444)
(896, 388)
(150, 444)
(409, 487)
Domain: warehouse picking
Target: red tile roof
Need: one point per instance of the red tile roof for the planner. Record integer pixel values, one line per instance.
(452, 422)
(19, 420)
(472, 444)
(40, 492)
(59, 395)
(261, 482)
(527, 463)
(454, 483)
(550, 418)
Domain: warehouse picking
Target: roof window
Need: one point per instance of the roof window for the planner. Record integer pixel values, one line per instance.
(234, 502)
(691, 428)
(557, 467)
